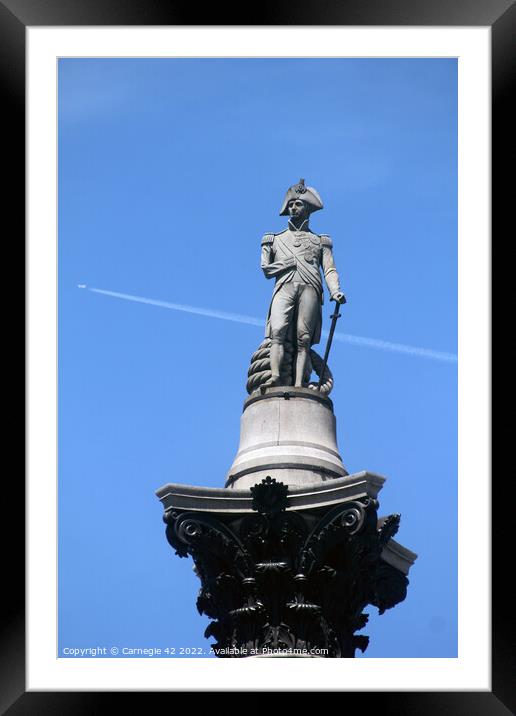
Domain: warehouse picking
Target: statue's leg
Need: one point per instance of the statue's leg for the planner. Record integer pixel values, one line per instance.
(276, 357)
(289, 356)
(281, 312)
(307, 313)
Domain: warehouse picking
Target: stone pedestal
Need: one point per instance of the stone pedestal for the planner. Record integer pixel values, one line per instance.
(290, 432)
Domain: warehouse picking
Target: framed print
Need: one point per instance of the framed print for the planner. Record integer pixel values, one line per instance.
(152, 146)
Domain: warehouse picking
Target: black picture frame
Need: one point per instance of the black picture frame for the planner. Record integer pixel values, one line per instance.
(500, 15)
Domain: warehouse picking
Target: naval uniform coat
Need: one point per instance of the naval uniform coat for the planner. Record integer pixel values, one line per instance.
(299, 256)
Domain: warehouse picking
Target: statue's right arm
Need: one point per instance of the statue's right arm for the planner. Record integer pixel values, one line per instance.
(270, 267)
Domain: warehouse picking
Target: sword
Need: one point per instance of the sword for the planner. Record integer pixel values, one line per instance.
(335, 316)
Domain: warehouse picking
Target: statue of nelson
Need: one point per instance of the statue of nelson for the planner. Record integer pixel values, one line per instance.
(294, 257)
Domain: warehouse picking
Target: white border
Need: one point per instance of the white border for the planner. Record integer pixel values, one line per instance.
(471, 670)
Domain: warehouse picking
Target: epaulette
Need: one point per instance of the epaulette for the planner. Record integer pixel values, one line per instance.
(268, 239)
(326, 241)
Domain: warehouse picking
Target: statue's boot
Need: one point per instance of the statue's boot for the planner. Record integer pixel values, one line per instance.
(273, 380)
(301, 365)
(276, 358)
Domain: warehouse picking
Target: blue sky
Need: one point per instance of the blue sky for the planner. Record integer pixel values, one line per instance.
(170, 171)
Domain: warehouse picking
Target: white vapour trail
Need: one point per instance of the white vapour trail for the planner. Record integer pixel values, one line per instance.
(251, 321)
(394, 347)
(236, 317)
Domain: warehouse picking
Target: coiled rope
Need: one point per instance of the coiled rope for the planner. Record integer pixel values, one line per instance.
(260, 368)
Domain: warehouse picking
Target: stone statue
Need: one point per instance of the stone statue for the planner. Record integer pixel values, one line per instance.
(294, 258)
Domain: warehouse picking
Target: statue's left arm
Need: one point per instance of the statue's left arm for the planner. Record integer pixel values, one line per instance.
(330, 272)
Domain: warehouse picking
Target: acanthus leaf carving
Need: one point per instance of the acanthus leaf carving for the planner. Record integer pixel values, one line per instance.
(269, 581)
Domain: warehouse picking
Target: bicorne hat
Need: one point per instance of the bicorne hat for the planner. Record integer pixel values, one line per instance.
(305, 193)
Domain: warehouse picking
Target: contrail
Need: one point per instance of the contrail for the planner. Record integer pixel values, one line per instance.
(251, 321)
(395, 347)
(236, 317)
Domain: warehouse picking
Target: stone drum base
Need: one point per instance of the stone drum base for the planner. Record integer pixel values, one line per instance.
(291, 431)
